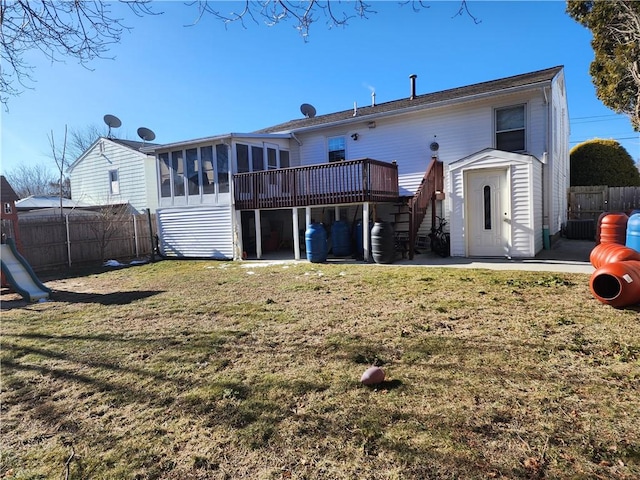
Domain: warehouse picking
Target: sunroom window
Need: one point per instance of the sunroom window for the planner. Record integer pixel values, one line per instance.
(510, 129)
(222, 155)
(200, 169)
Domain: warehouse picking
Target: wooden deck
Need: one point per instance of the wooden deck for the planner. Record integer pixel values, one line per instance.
(352, 181)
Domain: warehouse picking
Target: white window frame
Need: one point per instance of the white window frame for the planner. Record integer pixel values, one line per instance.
(114, 185)
(523, 128)
(343, 138)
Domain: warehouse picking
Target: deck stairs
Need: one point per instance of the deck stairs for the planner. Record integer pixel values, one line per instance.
(410, 212)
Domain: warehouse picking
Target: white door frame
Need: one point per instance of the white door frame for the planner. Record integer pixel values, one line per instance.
(488, 219)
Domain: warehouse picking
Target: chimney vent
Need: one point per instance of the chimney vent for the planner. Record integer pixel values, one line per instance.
(413, 85)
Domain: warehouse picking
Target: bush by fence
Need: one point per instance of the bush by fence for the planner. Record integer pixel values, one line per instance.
(51, 243)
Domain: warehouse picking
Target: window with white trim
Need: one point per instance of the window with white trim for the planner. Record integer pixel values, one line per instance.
(7, 208)
(222, 158)
(510, 129)
(337, 149)
(195, 171)
(114, 182)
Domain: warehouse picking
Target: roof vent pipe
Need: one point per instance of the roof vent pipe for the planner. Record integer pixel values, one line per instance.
(413, 85)
(373, 98)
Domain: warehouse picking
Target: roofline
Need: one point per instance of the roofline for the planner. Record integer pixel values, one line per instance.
(215, 138)
(415, 108)
(86, 152)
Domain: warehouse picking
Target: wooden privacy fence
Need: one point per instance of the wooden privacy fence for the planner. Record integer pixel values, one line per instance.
(586, 204)
(51, 243)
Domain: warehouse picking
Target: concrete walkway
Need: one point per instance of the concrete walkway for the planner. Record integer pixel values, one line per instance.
(565, 256)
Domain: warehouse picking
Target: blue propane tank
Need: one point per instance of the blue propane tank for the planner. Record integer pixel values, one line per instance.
(341, 238)
(633, 232)
(315, 239)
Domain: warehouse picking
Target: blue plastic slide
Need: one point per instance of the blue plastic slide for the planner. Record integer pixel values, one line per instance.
(20, 275)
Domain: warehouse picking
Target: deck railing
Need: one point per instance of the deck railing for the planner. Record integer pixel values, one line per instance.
(352, 181)
(428, 192)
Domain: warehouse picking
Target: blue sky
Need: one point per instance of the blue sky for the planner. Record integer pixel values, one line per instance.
(186, 82)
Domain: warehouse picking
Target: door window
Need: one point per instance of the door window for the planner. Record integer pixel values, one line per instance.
(486, 192)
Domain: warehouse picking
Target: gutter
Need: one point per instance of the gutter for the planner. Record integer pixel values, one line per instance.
(267, 136)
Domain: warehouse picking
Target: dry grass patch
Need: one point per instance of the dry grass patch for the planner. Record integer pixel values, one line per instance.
(218, 370)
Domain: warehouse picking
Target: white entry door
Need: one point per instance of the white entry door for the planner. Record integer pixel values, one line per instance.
(487, 212)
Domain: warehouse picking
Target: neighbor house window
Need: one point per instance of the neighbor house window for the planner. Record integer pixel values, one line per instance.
(337, 149)
(7, 208)
(510, 129)
(114, 182)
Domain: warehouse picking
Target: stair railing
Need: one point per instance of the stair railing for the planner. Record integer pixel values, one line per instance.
(432, 183)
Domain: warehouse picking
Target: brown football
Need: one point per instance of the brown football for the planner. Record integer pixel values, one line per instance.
(372, 376)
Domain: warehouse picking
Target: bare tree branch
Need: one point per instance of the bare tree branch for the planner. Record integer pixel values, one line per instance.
(82, 30)
(303, 14)
(28, 180)
(85, 30)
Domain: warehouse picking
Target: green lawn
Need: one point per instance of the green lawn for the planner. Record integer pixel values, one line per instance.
(216, 370)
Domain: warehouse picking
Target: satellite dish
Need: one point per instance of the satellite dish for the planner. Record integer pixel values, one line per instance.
(112, 122)
(308, 110)
(146, 134)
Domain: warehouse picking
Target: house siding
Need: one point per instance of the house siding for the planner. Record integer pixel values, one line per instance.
(536, 205)
(463, 126)
(200, 232)
(460, 130)
(524, 174)
(89, 176)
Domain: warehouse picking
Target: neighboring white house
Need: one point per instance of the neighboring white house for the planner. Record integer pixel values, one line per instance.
(492, 158)
(113, 171)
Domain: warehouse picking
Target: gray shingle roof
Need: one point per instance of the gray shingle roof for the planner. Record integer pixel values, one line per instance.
(540, 76)
(135, 145)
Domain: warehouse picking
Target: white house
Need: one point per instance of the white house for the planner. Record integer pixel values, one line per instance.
(492, 158)
(113, 171)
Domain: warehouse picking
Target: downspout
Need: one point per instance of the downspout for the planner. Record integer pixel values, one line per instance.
(546, 179)
(293, 135)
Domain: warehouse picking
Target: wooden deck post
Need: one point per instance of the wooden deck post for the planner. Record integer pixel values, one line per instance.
(296, 236)
(365, 231)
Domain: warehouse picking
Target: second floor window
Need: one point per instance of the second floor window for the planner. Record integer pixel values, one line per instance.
(510, 129)
(337, 149)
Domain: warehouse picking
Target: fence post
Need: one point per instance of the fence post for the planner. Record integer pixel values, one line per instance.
(68, 240)
(135, 235)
